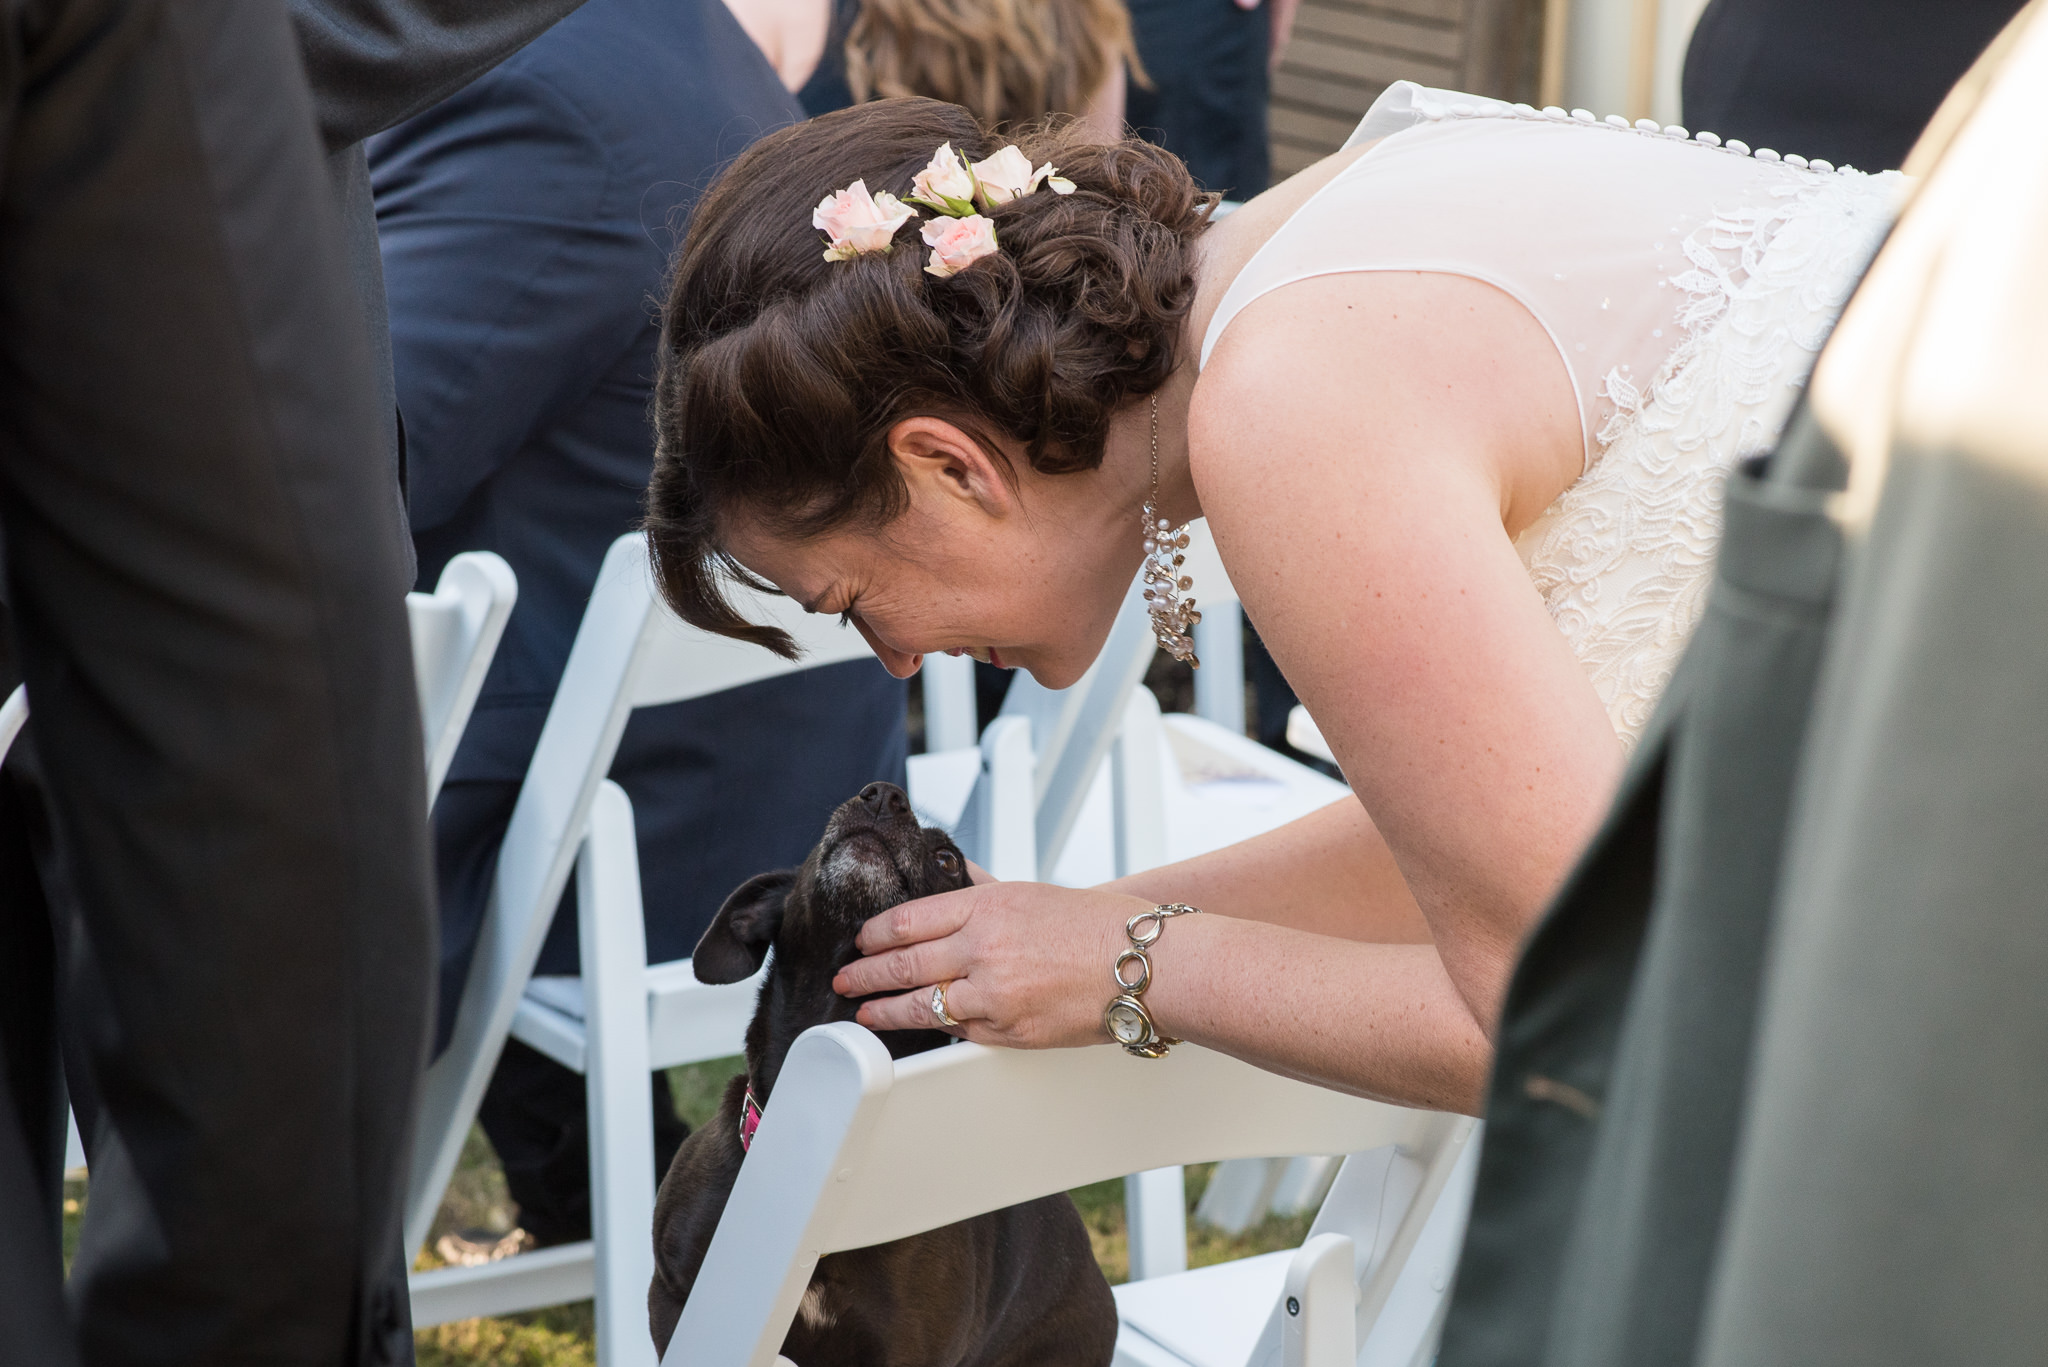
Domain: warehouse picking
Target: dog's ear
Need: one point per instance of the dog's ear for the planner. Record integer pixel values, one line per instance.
(738, 938)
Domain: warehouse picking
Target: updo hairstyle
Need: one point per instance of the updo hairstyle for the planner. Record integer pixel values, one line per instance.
(782, 373)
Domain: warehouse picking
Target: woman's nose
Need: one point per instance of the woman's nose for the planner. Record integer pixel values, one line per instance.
(885, 799)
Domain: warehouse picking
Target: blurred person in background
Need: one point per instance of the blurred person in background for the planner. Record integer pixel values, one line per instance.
(1853, 81)
(1009, 61)
(525, 224)
(1210, 64)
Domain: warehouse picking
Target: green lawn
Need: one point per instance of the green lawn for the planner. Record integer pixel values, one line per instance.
(561, 1336)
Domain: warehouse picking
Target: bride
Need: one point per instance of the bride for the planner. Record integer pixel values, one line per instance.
(1457, 403)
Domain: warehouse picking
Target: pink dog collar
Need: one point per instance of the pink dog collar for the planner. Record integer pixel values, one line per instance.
(750, 1120)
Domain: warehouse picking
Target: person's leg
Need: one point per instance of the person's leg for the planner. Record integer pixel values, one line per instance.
(470, 817)
(535, 1116)
(32, 1315)
(208, 588)
(30, 1071)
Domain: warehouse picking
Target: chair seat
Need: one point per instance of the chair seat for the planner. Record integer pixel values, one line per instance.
(1231, 788)
(1210, 1317)
(1221, 788)
(687, 1021)
(1304, 735)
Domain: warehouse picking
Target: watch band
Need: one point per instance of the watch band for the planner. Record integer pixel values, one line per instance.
(1126, 1018)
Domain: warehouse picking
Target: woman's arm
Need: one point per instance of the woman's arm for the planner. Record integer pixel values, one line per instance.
(1329, 873)
(1361, 491)
(1029, 966)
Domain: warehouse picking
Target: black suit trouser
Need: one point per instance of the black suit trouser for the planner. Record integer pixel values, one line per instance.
(205, 581)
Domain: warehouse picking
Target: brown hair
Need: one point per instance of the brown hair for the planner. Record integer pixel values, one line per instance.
(1005, 60)
(782, 373)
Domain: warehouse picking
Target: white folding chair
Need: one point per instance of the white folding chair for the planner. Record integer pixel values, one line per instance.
(856, 1149)
(622, 1018)
(455, 635)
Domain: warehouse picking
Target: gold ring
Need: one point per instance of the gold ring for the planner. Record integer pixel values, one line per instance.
(939, 1006)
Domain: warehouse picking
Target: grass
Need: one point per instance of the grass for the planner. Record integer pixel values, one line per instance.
(564, 1335)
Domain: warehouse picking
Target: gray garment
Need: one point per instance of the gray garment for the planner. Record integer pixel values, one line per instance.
(1801, 1123)
(372, 64)
(1891, 1202)
(1622, 1052)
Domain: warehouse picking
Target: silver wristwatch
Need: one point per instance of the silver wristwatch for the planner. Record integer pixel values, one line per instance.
(1125, 1018)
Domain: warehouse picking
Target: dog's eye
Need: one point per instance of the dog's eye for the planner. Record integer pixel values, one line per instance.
(948, 862)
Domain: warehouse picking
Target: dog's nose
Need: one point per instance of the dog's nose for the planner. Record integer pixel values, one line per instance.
(884, 799)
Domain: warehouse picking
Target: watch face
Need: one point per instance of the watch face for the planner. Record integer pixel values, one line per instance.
(1127, 1024)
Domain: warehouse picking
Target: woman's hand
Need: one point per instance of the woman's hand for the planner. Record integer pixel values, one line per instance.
(1027, 965)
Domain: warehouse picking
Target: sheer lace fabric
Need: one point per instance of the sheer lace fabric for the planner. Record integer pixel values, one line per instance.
(1686, 288)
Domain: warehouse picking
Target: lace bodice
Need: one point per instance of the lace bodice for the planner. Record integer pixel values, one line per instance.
(1686, 286)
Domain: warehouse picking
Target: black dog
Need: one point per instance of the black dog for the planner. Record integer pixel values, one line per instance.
(1014, 1288)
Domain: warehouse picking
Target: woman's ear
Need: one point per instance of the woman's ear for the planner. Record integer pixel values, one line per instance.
(941, 460)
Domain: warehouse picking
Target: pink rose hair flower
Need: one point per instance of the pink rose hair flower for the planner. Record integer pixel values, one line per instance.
(958, 243)
(854, 221)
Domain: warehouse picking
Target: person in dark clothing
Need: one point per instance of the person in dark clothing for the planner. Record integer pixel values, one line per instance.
(204, 586)
(526, 223)
(1851, 82)
(372, 64)
(1208, 61)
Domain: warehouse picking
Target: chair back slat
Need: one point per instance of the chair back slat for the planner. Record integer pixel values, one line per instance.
(455, 634)
(629, 652)
(1071, 732)
(13, 717)
(575, 750)
(683, 663)
(968, 1129)
(855, 1149)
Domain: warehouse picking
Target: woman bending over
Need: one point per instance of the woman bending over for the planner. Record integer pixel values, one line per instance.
(1457, 402)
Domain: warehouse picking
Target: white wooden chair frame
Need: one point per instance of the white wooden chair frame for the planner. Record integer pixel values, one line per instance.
(455, 635)
(856, 1149)
(625, 1019)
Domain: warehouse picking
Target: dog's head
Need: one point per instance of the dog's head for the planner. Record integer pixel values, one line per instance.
(874, 855)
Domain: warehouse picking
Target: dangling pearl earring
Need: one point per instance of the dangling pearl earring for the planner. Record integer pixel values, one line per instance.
(1165, 552)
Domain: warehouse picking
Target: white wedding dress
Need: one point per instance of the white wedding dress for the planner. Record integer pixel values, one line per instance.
(1686, 284)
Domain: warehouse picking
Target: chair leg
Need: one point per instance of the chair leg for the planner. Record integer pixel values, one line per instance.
(1319, 1326)
(1156, 1216)
(1219, 683)
(1240, 1193)
(1137, 786)
(614, 948)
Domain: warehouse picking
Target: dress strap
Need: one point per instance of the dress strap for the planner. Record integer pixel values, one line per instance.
(1404, 105)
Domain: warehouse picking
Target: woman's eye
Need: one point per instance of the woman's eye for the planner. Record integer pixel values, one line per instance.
(948, 862)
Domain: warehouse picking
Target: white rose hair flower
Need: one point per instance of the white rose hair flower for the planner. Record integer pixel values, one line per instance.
(1007, 175)
(854, 221)
(946, 185)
